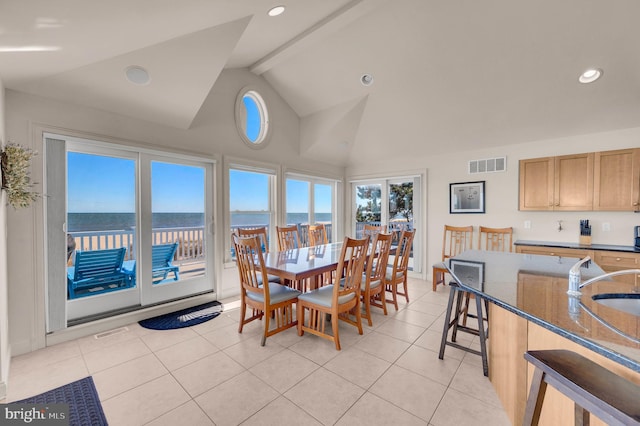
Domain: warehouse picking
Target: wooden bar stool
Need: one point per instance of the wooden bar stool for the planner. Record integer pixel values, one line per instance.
(593, 388)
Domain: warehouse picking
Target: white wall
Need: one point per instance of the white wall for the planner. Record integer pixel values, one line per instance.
(5, 352)
(502, 192)
(212, 134)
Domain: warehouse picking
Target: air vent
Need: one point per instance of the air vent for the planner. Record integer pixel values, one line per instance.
(111, 333)
(488, 165)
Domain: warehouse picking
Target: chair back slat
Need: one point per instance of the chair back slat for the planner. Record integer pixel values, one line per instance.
(495, 239)
(287, 237)
(251, 268)
(317, 235)
(403, 252)
(162, 255)
(350, 267)
(456, 239)
(98, 263)
(372, 230)
(261, 232)
(379, 257)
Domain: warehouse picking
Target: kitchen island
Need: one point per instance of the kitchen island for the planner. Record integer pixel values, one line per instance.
(530, 309)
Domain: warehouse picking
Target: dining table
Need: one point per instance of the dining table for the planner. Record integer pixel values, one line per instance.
(297, 265)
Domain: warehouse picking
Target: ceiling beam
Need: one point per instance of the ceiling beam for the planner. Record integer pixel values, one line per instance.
(342, 17)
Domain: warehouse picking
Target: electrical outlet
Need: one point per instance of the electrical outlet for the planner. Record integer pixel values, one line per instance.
(527, 224)
(606, 226)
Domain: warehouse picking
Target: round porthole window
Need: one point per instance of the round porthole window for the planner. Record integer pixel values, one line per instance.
(252, 119)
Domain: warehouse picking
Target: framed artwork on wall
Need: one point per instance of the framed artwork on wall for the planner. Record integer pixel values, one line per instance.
(466, 197)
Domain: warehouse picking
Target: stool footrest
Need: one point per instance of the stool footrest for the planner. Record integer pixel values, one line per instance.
(612, 398)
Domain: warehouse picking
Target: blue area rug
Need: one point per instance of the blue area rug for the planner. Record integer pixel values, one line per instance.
(84, 404)
(184, 318)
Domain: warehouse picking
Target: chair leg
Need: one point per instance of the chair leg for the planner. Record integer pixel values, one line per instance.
(243, 314)
(300, 318)
(334, 328)
(359, 318)
(267, 318)
(367, 308)
(581, 416)
(404, 285)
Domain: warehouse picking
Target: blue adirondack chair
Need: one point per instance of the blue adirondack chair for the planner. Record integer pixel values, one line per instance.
(162, 261)
(97, 268)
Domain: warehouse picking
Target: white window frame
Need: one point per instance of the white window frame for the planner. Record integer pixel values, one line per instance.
(273, 171)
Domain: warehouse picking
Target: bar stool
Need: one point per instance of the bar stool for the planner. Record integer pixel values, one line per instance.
(458, 294)
(593, 388)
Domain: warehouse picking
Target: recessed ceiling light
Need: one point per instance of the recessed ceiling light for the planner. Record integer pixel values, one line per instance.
(137, 75)
(366, 79)
(275, 11)
(590, 75)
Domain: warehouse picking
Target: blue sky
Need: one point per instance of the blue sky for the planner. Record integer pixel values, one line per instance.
(106, 184)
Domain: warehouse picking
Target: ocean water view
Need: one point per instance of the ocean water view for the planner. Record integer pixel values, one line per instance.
(80, 222)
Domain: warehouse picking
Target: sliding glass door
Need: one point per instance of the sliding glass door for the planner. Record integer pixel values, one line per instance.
(393, 203)
(137, 229)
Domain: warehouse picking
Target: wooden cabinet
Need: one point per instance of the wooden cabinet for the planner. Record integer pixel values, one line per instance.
(562, 183)
(555, 251)
(617, 180)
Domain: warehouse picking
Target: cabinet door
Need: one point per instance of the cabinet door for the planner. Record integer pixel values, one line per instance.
(611, 261)
(536, 184)
(617, 180)
(573, 189)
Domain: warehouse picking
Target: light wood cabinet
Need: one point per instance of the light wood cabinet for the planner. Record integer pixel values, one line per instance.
(617, 180)
(555, 251)
(562, 183)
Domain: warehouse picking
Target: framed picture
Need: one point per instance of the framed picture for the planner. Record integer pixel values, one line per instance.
(466, 197)
(468, 273)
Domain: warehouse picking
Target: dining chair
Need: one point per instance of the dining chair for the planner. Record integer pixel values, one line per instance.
(262, 234)
(372, 230)
(339, 299)
(396, 275)
(267, 300)
(317, 234)
(495, 239)
(489, 239)
(287, 237)
(455, 240)
(372, 289)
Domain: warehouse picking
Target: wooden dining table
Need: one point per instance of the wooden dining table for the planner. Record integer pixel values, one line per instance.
(299, 264)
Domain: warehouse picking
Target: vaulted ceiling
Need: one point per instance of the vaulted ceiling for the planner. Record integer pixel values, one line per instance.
(448, 75)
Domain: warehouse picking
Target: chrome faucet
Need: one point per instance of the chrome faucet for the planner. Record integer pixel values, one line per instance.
(574, 277)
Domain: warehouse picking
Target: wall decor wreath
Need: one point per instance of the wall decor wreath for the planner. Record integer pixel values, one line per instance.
(15, 161)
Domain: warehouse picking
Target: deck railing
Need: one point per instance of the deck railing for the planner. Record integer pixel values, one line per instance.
(189, 239)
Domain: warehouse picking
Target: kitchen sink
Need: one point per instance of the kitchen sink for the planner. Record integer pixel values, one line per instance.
(626, 302)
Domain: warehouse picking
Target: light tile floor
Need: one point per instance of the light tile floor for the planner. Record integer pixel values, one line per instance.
(211, 375)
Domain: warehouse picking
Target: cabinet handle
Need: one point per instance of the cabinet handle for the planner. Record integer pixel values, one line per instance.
(557, 204)
(618, 259)
(635, 204)
(552, 254)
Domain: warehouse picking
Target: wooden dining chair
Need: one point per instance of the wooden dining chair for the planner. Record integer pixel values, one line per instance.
(266, 299)
(372, 230)
(372, 289)
(262, 234)
(455, 240)
(490, 239)
(495, 239)
(339, 299)
(396, 275)
(287, 237)
(317, 235)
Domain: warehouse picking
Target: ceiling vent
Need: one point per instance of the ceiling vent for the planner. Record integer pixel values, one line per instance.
(489, 165)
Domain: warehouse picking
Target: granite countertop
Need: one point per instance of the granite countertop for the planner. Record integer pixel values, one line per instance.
(606, 247)
(535, 287)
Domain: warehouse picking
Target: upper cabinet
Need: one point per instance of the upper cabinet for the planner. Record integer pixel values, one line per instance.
(557, 183)
(617, 180)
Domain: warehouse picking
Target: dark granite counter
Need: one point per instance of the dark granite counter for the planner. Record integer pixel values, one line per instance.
(535, 287)
(606, 247)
